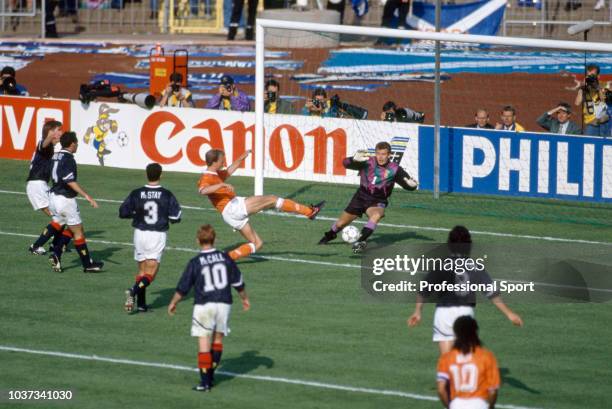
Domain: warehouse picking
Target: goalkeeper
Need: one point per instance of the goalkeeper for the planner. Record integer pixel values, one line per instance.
(378, 176)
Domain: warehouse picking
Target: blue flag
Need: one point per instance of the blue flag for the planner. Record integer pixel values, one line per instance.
(480, 17)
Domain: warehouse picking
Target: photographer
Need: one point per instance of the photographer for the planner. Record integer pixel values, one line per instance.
(391, 113)
(175, 95)
(318, 105)
(229, 97)
(592, 99)
(8, 83)
(557, 120)
(273, 104)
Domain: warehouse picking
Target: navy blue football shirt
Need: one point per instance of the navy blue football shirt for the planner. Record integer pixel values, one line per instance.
(151, 208)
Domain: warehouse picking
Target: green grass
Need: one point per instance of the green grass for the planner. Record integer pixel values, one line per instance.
(308, 321)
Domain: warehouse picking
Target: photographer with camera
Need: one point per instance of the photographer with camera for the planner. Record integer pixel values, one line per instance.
(591, 97)
(273, 104)
(318, 104)
(8, 83)
(392, 113)
(229, 97)
(557, 120)
(175, 95)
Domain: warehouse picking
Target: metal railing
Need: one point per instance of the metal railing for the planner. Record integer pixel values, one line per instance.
(551, 18)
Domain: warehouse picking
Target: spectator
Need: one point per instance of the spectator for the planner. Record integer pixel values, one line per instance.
(237, 6)
(339, 6)
(8, 83)
(508, 120)
(392, 113)
(557, 120)
(175, 95)
(229, 97)
(591, 97)
(273, 104)
(402, 6)
(319, 104)
(482, 120)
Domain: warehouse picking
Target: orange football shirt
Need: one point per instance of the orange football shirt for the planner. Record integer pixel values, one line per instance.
(221, 197)
(470, 376)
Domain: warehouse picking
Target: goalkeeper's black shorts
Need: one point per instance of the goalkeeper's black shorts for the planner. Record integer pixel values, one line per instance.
(361, 201)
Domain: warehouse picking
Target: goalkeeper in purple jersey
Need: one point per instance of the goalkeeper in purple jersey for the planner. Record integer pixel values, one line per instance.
(378, 176)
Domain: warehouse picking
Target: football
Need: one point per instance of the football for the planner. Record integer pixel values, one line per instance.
(350, 234)
(122, 139)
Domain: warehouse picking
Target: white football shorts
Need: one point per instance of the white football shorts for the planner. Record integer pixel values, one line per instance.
(64, 210)
(210, 317)
(444, 318)
(38, 193)
(149, 245)
(235, 213)
(470, 403)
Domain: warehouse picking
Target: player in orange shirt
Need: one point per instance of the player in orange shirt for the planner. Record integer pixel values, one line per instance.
(468, 370)
(236, 209)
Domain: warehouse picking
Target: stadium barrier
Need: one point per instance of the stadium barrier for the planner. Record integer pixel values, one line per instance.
(311, 149)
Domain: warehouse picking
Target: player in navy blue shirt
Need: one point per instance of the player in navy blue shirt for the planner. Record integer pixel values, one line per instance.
(151, 209)
(212, 273)
(37, 186)
(63, 203)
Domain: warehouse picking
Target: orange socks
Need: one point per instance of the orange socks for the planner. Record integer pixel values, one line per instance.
(242, 251)
(289, 206)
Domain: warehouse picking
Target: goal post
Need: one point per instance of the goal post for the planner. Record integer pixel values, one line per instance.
(512, 43)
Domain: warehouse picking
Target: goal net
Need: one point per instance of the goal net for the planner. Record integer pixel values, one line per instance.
(328, 91)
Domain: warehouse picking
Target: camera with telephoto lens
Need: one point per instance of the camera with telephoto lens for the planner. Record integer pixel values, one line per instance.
(175, 87)
(9, 86)
(316, 103)
(390, 116)
(348, 110)
(271, 96)
(408, 115)
(591, 81)
(97, 89)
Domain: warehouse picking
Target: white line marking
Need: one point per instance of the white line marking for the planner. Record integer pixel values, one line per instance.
(397, 226)
(195, 251)
(314, 384)
(315, 262)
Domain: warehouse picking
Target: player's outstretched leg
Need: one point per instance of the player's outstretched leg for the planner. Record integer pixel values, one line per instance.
(256, 204)
(344, 220)
(375, 214)
(246, 249)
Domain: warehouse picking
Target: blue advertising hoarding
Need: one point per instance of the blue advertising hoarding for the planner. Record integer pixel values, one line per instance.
(518, 164)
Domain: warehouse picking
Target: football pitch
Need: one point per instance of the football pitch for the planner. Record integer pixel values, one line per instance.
(311, 340)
